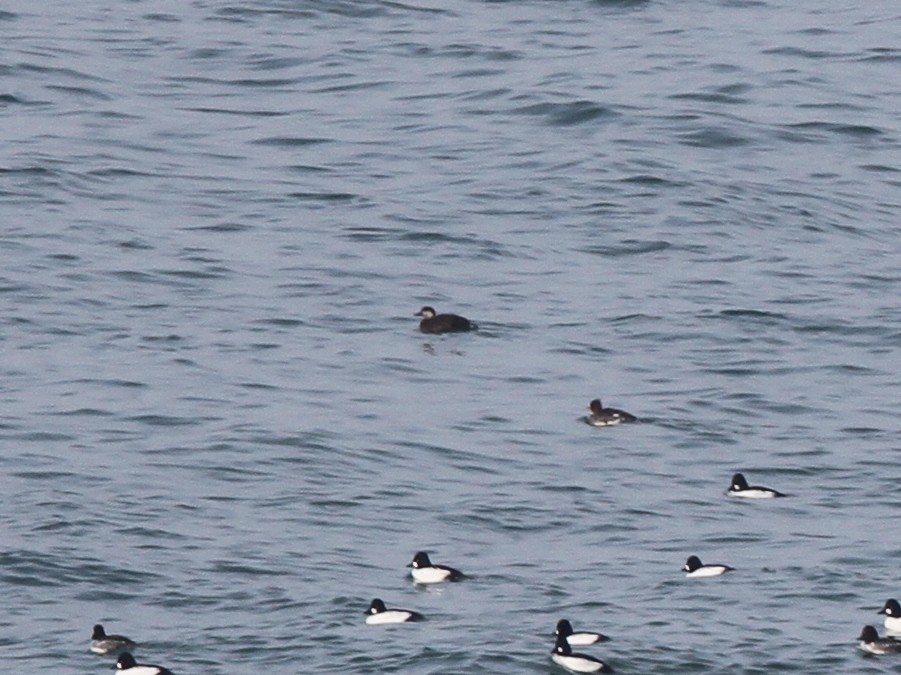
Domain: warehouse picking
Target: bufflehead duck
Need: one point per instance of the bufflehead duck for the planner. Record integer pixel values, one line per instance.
(740, 488)
(564, 628)
(695, 568)
(442, 323)
(424, 572)
(605, 417)
(892, 611)
(378, 614)
(101, 643)
(871, 642)
(562, 654)
(126, 664)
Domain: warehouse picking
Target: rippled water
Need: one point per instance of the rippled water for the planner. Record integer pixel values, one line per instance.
(222, 435)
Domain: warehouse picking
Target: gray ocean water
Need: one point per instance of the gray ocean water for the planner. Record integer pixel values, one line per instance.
(222, 435)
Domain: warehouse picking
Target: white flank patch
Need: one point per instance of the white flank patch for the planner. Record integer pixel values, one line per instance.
(582, 639)
(872, 647)
(576, 664)
(708, 571)
(603, 421)
(893, 625)
(429, 575)
(753, 494)
(390, 616)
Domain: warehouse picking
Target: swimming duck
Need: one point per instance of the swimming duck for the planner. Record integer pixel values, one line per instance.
(101, 643)
(424, 572)
(442, 323)
(871, 642)
(379, 614)
(605, 417)
(563, 655)
(695, 568)
(740, 488)
(580, 638)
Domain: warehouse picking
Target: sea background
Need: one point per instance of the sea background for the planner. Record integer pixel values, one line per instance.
(222, 434)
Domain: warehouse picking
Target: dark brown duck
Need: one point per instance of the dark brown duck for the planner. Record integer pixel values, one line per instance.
(599, 416)
(442, 323)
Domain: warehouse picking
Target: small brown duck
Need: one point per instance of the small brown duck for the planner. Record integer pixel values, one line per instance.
(605, 417)
(442, 323)
(101, 643)
(871, 642)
